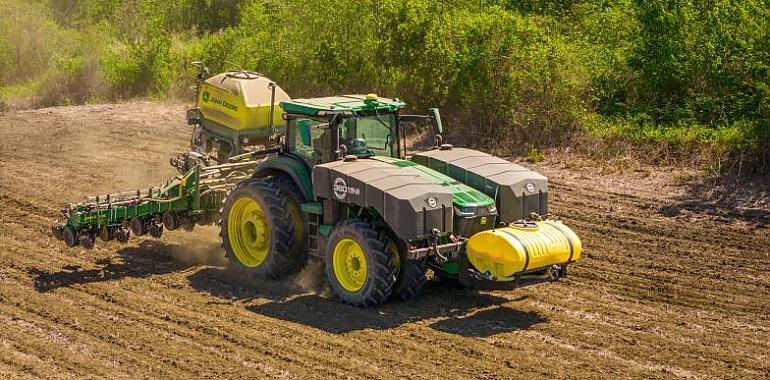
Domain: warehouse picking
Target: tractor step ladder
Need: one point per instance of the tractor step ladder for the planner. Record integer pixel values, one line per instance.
(314, 212)
(313, 235)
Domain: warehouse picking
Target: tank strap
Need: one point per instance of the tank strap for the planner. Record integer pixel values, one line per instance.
(569, 240)
(526, 251)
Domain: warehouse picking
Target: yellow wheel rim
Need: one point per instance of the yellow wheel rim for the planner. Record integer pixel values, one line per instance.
(350, 265)
(248, 232)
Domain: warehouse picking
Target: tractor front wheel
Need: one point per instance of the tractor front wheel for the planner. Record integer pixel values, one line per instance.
(359, 270)
(410, 273)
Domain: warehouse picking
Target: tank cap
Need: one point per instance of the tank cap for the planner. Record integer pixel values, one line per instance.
(350, 157)
(523, 223)
(446, 147)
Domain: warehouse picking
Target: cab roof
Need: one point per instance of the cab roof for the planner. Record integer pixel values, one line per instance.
(346, 104)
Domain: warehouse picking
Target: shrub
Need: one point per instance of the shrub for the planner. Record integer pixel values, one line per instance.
(672, 76)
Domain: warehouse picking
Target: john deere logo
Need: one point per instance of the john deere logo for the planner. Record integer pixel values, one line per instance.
(220, 102)
(341, 189)
(531, 187)
(432, 202)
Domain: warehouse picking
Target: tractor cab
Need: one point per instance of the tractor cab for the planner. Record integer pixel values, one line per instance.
(322, 130)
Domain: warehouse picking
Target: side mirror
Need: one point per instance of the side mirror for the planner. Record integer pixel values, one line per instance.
(435, 120)
(303, 126)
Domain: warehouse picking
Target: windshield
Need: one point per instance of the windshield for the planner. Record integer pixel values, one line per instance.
(370, 135)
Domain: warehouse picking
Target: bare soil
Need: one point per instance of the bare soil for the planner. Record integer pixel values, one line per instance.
(673, 283)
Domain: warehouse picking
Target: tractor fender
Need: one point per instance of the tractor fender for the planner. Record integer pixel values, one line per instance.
(412, 206)
(285, 163)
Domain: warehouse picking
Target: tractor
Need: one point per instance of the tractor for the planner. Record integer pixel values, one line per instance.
(330, 179)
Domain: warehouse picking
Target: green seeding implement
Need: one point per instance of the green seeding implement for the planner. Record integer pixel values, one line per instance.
(190, 198)
(330, 179)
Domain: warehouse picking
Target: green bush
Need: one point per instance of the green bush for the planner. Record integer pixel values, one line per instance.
(708, 64)
(510, 76)
(145, 67)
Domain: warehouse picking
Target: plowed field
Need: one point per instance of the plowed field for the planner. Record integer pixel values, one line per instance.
(670, 285)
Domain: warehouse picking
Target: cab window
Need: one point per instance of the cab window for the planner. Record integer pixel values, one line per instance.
(320, 144)
(369, 135)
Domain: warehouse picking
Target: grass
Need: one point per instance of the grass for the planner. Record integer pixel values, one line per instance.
(739, 136)
(534, 156)
(19, 90)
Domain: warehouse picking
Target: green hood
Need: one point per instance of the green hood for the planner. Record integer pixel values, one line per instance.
(462, 195)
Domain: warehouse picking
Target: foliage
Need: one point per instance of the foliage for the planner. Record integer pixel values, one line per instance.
(507, 74)
(707, 64)
(534, 156)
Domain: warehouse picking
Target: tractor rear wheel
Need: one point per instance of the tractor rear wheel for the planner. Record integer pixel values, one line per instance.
(257, 232)
(359, 270)
(170, 220)
(294, 199)
(410, 273)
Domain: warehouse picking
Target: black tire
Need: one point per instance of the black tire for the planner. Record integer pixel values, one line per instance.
(410, 274)
(279, 260)
(58, 232)
(70, 236)
(294, 199)
(138, 226)
(379, 279)
(106, 233)
(170, 220)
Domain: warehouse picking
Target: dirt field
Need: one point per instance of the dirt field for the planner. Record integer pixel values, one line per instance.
(671, 285)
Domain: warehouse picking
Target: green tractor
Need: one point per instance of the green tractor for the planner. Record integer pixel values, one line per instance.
(334, 183)
(342, 190)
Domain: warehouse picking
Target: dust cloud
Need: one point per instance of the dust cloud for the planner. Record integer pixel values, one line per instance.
(310, 279)
(201, 246)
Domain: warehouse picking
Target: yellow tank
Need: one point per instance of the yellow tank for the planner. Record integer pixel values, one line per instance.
(240, 100)
(503, 252)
